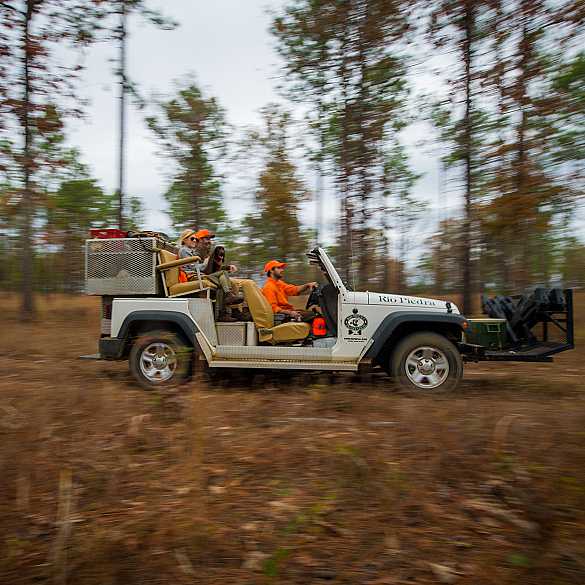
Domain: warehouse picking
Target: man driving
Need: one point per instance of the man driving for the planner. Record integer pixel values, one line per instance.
(277, 292)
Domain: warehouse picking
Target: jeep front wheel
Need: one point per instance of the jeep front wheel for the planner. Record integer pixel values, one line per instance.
(426, 362)
(160, 360)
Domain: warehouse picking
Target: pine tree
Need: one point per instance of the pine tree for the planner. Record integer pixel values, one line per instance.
(460, 28)
(507, 128)
(32, 75)
(192, 133)
(569, 120)
(75, 207)
(441, 264)
(273, 229)
(344, 56)
(401, 212)
(531, 194)
(368, 110)
(305, 43)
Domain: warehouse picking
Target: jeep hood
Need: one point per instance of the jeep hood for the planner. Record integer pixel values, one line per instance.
(394, 300)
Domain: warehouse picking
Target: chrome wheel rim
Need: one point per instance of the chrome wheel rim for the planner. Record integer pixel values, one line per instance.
(427, 367)
(158, 362)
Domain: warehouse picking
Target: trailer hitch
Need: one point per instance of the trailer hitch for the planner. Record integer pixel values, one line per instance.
(470, 351)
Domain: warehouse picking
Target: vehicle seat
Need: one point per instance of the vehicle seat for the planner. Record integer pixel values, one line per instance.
(264, 318)
(173, 287)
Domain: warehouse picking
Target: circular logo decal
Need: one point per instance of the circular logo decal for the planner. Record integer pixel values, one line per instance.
(355, 323)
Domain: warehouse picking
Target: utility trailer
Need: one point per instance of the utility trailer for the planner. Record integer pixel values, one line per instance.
(538, 325)
(167, 328)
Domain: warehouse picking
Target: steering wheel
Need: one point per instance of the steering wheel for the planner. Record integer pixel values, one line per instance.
(314, 297)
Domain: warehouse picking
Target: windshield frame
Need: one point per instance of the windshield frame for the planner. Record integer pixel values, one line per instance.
(319, 257)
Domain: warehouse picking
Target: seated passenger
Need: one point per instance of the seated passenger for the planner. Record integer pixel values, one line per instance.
(199, 244)
(277, 292)
(203, 248)
(187, 242)
(202, 244)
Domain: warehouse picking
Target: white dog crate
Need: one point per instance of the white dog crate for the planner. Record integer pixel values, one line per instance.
(122, 266)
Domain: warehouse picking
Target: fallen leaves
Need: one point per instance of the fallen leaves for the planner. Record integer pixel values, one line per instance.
(329, 527)
(443, 573)
(254, 561)
(280, 507)
(480, 507)
(391, 509)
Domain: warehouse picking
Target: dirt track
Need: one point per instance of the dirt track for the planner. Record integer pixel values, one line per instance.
(296, 479)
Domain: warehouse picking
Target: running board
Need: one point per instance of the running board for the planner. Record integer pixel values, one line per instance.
(287, 364)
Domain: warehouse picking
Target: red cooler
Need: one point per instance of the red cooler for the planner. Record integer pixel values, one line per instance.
(107, 234)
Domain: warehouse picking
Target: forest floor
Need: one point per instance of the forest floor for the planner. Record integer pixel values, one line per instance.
(283, 478)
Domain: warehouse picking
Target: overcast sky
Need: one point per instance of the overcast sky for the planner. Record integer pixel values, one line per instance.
(226, 46)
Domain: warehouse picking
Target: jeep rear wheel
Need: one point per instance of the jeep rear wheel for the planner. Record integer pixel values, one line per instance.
(160, 360)
(426, 362)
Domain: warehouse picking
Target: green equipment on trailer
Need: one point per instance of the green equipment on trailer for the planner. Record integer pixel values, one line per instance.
(489, 333)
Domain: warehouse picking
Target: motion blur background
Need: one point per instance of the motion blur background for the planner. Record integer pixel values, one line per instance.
(430, 146)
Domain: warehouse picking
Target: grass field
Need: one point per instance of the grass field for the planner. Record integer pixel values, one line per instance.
(284, 478)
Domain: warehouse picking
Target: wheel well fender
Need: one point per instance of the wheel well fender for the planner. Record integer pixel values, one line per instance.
(398, 325)
(140, 322)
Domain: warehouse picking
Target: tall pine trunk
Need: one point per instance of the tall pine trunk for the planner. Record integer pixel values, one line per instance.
(122, 137)
(500, 244)
(467, 146)
(363, 160)
(27, 302)
(319, 202)
(196, 188)
(322, 147)
(387, 275)
(522, 235)
(346, 239)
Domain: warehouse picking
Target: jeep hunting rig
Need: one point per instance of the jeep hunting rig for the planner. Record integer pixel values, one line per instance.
(166, 329)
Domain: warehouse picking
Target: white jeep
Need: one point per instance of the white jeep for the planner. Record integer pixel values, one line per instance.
(169, 331)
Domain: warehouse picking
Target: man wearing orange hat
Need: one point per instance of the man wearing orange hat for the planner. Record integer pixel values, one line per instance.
(203, 247)
(277, 291)
(198, 243)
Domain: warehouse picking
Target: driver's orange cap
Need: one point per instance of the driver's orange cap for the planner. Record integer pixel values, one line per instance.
(273, 264)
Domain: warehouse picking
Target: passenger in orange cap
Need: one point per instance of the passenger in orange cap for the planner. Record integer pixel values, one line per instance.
(203, 244)
(277, 292)
(203, 247)
(198, 243)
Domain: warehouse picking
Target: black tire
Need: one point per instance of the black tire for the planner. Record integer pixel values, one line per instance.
(174, 371)
(439, 367)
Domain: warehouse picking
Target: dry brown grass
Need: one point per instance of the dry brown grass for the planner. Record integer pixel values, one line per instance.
(281, 478)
